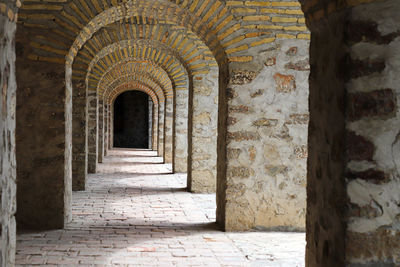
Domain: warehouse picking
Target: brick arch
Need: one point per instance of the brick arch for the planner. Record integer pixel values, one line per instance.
(181, 44)
(174, 68)
(131, 86)
(149, 10)
(136, 77)
(134, 83)
(147, 70)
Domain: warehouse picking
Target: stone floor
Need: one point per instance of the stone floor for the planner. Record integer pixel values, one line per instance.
(136, 213)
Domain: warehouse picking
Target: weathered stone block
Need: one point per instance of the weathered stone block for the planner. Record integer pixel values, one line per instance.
(258, 92)
(370, 175)
(292, 51)
(358, 147)
(265, 122)
(243, 136)
(241, 172)
(270, 61)
(240, 109)
(284, 83)
(302, 65)
(242, 76)
(298, 119)
(233, 153)
(375, 103)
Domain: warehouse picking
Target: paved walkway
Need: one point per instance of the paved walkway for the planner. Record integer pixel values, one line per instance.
(136, 213)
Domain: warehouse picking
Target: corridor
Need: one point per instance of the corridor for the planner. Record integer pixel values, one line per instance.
(136, 213)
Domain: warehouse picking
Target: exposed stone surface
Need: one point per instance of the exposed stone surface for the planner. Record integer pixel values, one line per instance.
(169, 130)
(284, 83)
(79, 140)
(8, 192)
(42, 147)
(181, 130)
(326, 194)
(92, 140)
(266, 162)
(202, 175)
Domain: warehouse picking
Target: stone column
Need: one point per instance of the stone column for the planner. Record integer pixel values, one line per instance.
(8, 190)
(155, 126)
(203, 135)
(100, 140)
(43, 134)
(110, 126)
(92, 130)
(354, 149)
(169, 130)
(267, 140)
(161, 123)
(106, 128)
(79, 154)
(151, 107)
(181, 130)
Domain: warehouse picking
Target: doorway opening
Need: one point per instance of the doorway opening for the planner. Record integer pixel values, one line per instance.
(131, 120)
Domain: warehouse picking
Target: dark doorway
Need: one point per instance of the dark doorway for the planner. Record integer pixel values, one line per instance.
(131, 122)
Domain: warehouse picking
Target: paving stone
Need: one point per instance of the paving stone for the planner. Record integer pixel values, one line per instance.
(141, 215)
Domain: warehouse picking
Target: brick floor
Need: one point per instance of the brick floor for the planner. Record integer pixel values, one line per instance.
(136, 213)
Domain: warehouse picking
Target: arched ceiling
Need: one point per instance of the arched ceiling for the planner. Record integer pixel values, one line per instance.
(228, 28)
(130, 50)
(181, 37)
(129, 86)
(124, 78)
(157, 74)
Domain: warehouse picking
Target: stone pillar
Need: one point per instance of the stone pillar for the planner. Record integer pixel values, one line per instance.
(161, 123)
(105, 119)
(7, 137)
(92, 121)
(203, 135)
(110, 126)
(43, 140)
(354, 150)
(169, 130)
(267, 140)
(155, 126)
(181, 129)
(151, 107)
(79, 155)
(100, 140)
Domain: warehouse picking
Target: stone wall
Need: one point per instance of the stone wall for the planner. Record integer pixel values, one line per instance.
(372, 170)
(150, 123)
(169, 130)
(203, 113)
(8, 16)
(267, 139)
(44, 191)
(100, 132)
(79, 139)
(181, 130)
(92, 121)
(353, 177)
(161, 123)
